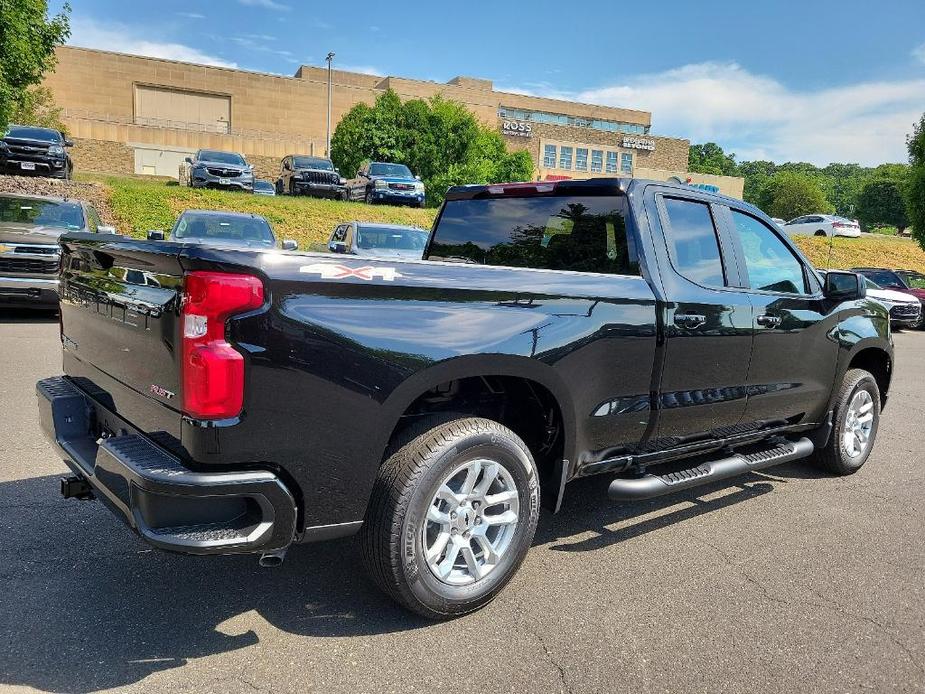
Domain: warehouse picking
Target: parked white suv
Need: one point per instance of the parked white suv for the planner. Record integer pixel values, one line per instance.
(822, 225)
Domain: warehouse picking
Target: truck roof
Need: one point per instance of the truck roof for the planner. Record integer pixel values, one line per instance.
(573, 186)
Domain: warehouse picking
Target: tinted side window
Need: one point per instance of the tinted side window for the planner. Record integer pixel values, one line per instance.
(340, 232)
(693, 243)
(580, 233)
(772, 267)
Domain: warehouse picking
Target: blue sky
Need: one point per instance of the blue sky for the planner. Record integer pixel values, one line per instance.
(815, 80)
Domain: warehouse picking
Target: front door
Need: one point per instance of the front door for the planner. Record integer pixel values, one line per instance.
(795, 351)
(707, 323)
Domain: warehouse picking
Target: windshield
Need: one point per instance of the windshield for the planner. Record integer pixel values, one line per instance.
(391, 238)
(397, 170)
(885, 278)
(61, 215)
(27, 133)
(312, 163)
(221, 157)
(248, 230)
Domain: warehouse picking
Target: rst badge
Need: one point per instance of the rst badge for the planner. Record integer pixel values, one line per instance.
(329, 271)
(161, 392)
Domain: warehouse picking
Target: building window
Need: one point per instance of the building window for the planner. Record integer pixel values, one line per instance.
(565, 157)
(626, 163)
(549, 156)
(581, 159)
(597, 161)
(611, 162)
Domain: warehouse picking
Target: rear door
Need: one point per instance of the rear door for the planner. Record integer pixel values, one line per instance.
(794, 356)
(707, 320)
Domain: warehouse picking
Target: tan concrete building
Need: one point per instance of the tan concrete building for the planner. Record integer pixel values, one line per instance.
(130, 114)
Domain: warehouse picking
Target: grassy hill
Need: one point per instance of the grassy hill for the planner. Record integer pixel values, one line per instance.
(141, 203)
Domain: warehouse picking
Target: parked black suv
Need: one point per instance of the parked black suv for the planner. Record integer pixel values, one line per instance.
(315, 176)
(214, 169)
(30, 150)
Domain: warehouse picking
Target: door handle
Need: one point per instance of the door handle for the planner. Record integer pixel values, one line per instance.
(691, 321)
(769, 321)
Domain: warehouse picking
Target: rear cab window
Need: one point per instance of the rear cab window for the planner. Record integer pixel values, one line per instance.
(580, 233)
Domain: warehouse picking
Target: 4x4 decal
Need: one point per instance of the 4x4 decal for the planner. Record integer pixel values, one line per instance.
(339, 272)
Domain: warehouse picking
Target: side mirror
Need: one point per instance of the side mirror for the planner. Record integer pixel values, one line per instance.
(337, 247)
(155, 235)
(290, 245)
(844, 286)
(106, 229)
(68, 143)
(188, 160)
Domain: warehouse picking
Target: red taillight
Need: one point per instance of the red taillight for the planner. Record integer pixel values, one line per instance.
(212, 371)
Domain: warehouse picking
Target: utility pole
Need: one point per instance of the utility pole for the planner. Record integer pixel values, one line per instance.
(330, 91)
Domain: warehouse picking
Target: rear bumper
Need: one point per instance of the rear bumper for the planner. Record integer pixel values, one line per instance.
(167, 504)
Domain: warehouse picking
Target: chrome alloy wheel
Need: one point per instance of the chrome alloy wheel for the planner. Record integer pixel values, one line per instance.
(470, 522)
(859, 421)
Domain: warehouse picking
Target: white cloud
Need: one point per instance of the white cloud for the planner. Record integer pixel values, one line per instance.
(757, 117)
(919, 53)
(123, 39)
(266, 5)
(191, 15)
(362, 69)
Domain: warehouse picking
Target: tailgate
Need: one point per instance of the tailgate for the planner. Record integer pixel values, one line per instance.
(119, 324)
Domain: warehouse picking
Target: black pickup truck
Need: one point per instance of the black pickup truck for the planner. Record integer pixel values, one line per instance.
(247, 400)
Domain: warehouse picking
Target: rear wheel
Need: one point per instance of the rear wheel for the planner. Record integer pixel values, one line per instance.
(856, 418)
(820, 232)
(369, 197)
(452, 515)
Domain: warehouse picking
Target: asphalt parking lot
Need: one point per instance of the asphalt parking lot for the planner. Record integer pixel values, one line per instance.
(779, 582)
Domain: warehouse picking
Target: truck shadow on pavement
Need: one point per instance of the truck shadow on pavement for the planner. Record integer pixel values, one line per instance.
(88, 606)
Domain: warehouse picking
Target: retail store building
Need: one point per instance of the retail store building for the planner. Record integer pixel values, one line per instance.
(131, 114)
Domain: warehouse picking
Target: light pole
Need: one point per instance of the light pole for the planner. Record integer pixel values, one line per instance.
(330, 87)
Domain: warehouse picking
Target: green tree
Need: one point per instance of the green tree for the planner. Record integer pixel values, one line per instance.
(790, 194)
(27, 44)
(439, 140)
(881, 203)
(37, 107)
(710, 158)
(915, 188)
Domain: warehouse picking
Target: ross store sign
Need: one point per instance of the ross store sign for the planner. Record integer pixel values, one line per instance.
(517, 128)
(639, 143)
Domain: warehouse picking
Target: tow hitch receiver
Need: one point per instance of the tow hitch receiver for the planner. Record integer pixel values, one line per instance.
(74, 487)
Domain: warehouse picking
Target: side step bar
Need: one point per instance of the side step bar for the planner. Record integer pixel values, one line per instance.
(649, 486)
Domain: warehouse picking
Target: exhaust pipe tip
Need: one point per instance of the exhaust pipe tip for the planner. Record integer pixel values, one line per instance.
(270, 560)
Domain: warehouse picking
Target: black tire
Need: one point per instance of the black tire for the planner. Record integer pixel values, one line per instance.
(279, 186)
(820, 233)
(834, 457)
(393, 532)
(368, 198)
(292, 188)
